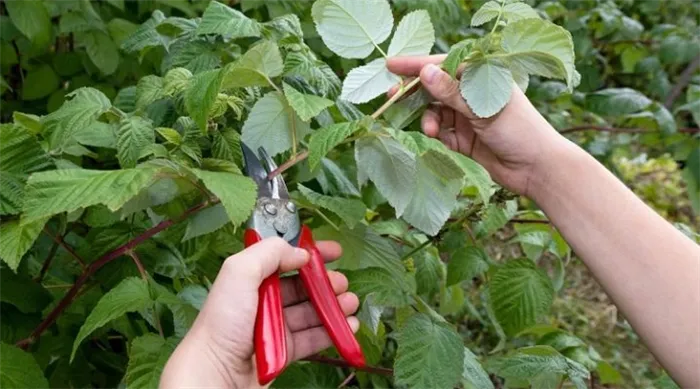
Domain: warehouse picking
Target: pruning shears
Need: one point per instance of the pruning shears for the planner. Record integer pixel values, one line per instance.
(276, 215)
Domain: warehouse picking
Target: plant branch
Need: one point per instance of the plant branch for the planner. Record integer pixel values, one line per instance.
(59, 240)
(105, 259)
(47, 262)
(402, 91)
(682, 82)
(291, 162)
(138, 263)
(417, 249)
(620, 130)
(347, 380)
(341, 363)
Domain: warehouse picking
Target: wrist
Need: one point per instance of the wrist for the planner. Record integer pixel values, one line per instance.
(559, 161)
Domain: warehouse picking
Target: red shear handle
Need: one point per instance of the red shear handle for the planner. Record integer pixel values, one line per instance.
(269, 336)
(320, 291)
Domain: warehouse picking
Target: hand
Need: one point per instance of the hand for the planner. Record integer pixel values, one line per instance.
(510, 145)
(218, 349)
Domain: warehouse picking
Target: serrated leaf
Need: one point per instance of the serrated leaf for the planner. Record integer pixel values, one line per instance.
(255, 68)
(17, 239)
(520, 295)
(512, 12)
(147, 357)
(486, 13)
(325, 139)
(350, 28)
(146, 36)
(148, 90)
(274, 125)
(56, 191)
(474, 373)
(351, 211)
(101, 49)
(82, 110)
(130, 295)
(616, 101)
(19, 368)
(537, 362)
(458, 52)
(31, 19)
(429, 355)
(542, 48)
(306, 376)
(206, 221)
(402, 113)
(316, 72)
(390, 166)
(201, 95)
(236, 192)
(134, 136)
(175, 81)
(465, 264)
(386, 289)
(486, 87)
(366, 82)
(225, 21)
(429, 271)
(194, 55)
(414, 35)
(226, 145)
(305, 105)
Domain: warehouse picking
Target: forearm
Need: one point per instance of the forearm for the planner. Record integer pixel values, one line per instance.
(649, 269)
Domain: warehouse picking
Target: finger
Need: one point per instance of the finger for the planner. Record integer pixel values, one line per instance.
(411, 66)
(431, 122)
(313, 340)
(303, 316)
(447, 115)
(444, 89)
(257, 262)
(293, 291)
(330, 250)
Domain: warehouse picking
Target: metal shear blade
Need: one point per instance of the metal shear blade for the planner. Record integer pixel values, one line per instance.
(273, 188)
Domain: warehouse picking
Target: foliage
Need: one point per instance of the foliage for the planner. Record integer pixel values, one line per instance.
(121, 189)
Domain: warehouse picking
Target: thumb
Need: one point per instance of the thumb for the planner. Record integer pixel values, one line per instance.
(444, 89)
(259, 261)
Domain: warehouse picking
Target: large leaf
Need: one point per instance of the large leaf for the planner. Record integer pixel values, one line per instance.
(201, 95)
(148, 90)
(31, 19)
(316, 72)
(520, 295)
(147, 357)
(430, 272)
(541, 48)
(390, 166)
(39, 83)
(367, 82)
(306, 106)
(19, 368)
(537, 362)
(486, 13)
(52, 192)
(414, 35)
(325, 139)
(474, 373)
(131, 295)
(236, 192)
(273, 124)
(387, 290)
(17, 239)
(486, 86)
(226, 145)
(616, 101)
(465, 264)
(350, 28)
(429, 355)
(101, 49)
(21, 291)
(146, 36)
(351, 211)
(194, 55)
(255, 68)
(225, 21)
(75, 115)
(134, 136)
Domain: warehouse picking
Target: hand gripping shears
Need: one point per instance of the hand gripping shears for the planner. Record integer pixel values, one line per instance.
(276, 215)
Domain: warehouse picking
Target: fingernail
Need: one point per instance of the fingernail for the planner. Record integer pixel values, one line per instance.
(301, 254)
(431, 73)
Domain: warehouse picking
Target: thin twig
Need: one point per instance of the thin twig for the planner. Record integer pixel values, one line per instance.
(47, 262)
(59, 240)
(347, 380)
(417, 249)
(342, 363)
(529, 221)
(291, 162)
(138, 263)
(402, 91)
(620, 130)
(105, 259)
(683, 81)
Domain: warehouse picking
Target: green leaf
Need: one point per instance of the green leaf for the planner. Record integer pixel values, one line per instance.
(74, 116)
(390, 166)
(306, 376)
(236, 192)
(350, 28)
(201, 95)
(226, 145)
(414, 35)
(465, 264)
(366, 82)
(56, 191)
(430, 271)
(386, 289)
(227, 22)
(475, 176)
(325, 139)
(39, 83)
(195, 55)
(616, 101)
(351, 211)
(206, 221)
(19, 368)
(148, 90)
(520, 295)
(306, 106)
(255, 68)
(31, 19)
(430, 354)
(474, 373)
(130, 295)
(404, 112)
(134, 136)
(147, 357)
(541, 48)
(274, 125)
(21, 291)
(101, 49)
(495, 217)
(316, 72)
(486, 86)
(175, 81)
(693, 103)
(512, 12)
(535, 363)
(146, 36)
(16, 239)
(458, 52)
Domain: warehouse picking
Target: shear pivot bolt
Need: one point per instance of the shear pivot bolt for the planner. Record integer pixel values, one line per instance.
(291, 207)
(271, 209)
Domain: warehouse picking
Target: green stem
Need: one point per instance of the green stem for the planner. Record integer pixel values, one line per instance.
(324, 217)
(498, 19)
(417, 249)
(395, 97)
